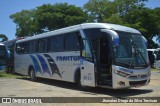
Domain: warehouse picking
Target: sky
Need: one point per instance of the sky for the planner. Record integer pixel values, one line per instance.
(8, 7)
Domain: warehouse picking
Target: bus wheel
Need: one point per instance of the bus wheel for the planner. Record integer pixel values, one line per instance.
(82, 87)
(32, 74)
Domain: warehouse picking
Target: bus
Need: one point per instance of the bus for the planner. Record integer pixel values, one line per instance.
(152, 53)
(4, 55)
(154, 57)
(89, 54)
(157, 64)
(10, 45)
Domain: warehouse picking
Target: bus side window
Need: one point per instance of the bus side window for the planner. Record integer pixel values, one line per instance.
(72, 42)
(18, 48)
(32, 46)
(158, 55)
(24, 48)
(86, 52)
(56, 43)
(42, 45)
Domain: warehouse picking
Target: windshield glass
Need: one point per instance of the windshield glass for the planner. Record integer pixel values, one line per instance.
(132, 51)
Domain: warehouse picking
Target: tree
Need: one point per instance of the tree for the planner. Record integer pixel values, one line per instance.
(51, 17)
(131, 13)
(146, 21)
(157, 12)
(46, 18)
(98, 9)
(125, 6)
(25, 23)
(3, 37)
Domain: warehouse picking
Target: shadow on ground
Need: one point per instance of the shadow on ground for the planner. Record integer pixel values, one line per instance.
(118, 93)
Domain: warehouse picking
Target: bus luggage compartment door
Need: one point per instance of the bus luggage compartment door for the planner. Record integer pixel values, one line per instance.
(87, 73)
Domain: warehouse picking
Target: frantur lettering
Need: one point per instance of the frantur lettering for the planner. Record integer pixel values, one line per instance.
(67, 58)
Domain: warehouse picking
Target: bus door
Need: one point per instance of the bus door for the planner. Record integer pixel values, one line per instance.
(87, 65)
(106, 40)
(104, 75)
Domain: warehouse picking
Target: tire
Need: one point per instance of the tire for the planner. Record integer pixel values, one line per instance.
(32, 74)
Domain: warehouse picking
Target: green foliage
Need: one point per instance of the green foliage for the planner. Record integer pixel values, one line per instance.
(131, 13)
(51, 17)
(3, 38)
(5, 75)
(114, 19)
(146, 21)
(46, 18)
(24, 22)
(125, 6)
(97, 9)
(157, 12)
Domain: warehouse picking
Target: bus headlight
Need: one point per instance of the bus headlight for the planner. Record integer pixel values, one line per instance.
(123, 74)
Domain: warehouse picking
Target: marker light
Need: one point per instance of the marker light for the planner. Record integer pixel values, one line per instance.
(123, 74)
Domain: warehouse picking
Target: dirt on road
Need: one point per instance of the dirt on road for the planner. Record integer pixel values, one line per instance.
(23, 87)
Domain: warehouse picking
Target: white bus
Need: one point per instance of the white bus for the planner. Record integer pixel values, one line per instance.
(90, 54)
(154, 57)
(157, 63)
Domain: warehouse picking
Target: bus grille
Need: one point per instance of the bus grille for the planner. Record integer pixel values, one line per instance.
(137, 76)
(133, 83)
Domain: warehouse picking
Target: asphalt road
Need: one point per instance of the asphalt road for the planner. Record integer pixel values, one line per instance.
(52, 88)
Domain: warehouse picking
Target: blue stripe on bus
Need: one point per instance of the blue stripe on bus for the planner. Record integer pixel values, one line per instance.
(36, 64)
(53, 65)
(43, 64)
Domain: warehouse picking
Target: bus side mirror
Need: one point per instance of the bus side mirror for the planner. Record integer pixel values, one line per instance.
(145, 40)
(113, 34)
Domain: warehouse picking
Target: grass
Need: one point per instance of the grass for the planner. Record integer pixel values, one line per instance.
(153, 69)
(5, 75)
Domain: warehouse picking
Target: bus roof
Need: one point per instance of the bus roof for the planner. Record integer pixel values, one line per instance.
(1, 44)
(83, 26)
(152, 50)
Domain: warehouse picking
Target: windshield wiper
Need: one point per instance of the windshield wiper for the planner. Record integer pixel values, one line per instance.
(123, 63)
(137, 50)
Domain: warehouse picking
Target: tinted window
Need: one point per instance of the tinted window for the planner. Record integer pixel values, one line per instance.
(92, 36)
(57, 43)
(158, 55)
(24, 47)
(71, 41)
(32, 47)
(2, 52)
(42, 45)
(18, 48)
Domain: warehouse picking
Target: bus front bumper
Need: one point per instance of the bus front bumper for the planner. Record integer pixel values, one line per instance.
(136, 79)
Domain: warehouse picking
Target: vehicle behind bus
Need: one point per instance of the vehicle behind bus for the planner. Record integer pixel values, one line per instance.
(4, 55)
(154, 57)
(10, 62)
(90, 54)
(152, 53)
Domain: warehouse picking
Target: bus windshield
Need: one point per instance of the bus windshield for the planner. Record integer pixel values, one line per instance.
(132, 51)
